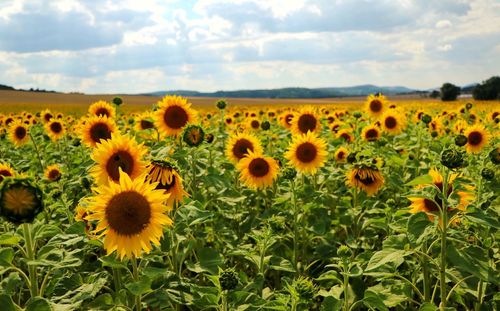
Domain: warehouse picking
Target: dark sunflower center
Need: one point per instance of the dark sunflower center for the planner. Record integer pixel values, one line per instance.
(175, 117)
(54, 175)
(167, 186)
(346, 136)
(241, 148)
(474, 138)
(4, 173)
(145, 124)
(229, 120)
(495, 114)
(371, 134)
(306, 152)
(100, 131)
(335, 128)
(430, 205)
(340, 155)
(47, 117)
(255, 124)
(8, 121)
(103, 112)
(258, 167)
(306, 123)
(20, 132)
(288, 119)
(376, 105)
(56, 127)
(121, 159)
(194, 136)
(128, 213)
(367, 180)
(390, 122)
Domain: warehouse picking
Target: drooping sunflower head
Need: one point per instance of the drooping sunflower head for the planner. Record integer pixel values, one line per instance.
(375, 105)
(144, 121)
(286, 119)
(305, 121)
(193, 135)
(97, 129)
(130, 215)
(20, 200)
(240, 144)
(370, 133)
(53, 172)
(5, 171)
(119, 152)
(166, 174)
(18, 133)
(477, 138)
(55, 129)
(368, 179)
(258, 171)
(341, 154)
(173, 114)
(102, 108)
(307, 153)
(393, 122)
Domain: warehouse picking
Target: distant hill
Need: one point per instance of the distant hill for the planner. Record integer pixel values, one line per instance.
(294, 92)
(6, 88)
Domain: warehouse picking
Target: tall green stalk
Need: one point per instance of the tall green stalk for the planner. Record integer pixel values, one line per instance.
(30, 252)
(135, 273)
(444, 227)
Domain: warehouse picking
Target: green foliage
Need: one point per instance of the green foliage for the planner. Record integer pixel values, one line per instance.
(449, 92)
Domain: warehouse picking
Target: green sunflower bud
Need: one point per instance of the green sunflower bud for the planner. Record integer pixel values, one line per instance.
(228, 279)
(487, 174)
(460, 140)
(344, 251)
(426, 118)
(193, 135)
(20, 200)
(289, 173)
(452, 158)
(495, 156)
(221, 104)
(265, 125)
(357, 114)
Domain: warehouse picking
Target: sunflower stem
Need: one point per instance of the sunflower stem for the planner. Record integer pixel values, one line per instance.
(295, 228)
(117, 279)
(345, 268)
(425, 271)
(30, 251)
(37, 152)
(479, 295)
(135, 272)
(444, 227)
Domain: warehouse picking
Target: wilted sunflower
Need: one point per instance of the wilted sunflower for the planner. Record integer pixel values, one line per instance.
(53, 172)
(55, 129)
(173, 114)
(168, 179)
(477, 138)
(286, 119)
(375, 105)
(18, 133)
(307, 153)
(144, 121)
(432, 207)
(368, 179)
(131, 215)
(97, 128)
(341, 154)
(257, 171)
(5, 171)
(393, 122)
(238, 146)
(20, 200)
(370, 133)
(119, 152)
(46, 115)
(305, 121)
(102, 108)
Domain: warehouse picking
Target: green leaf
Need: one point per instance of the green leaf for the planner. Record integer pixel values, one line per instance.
(473, 260)
(280, 264)
(420, 180)
(386, 256)
(38, 304)
(482, 218)
(427, 306)
(7, 303)
(6, 256)
(140, 287)
(417, 223)
(209, 261)
(9, 239)
(331, 303)
(372, 300)
(112, 262)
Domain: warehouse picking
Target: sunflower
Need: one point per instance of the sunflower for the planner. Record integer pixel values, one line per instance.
(432, 206)
(375, 105)
(102, 108)
(5, 171)
(20, 200)
(345, 134)
(97, 128)
(168, 178)
(286, 119)
(307, 153)
(193, 135)
(370, 180)
(173, 114)
(305, 121)
(144, 121)
(18, 133)
(46, 115)
(477, 138)
(239, 145)
(55, 129)
(257, 171)
(253, 124)
(119, 152)
(393, 122)
(130, 215)
(370, 133)
(53, 172)
(341, 154)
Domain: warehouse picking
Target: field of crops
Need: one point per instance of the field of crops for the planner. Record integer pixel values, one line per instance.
(377, 205)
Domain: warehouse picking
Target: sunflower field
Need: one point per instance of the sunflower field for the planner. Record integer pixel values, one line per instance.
(381, 206)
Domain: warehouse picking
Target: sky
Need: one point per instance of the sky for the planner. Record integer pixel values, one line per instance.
(130, 46)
